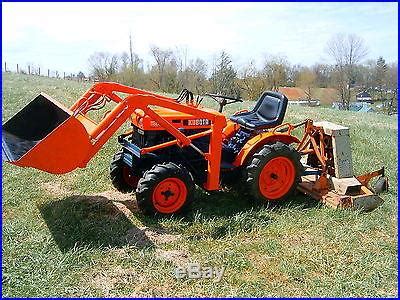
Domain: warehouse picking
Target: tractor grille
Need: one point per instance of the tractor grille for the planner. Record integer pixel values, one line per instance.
(138, 137)
(149, 138)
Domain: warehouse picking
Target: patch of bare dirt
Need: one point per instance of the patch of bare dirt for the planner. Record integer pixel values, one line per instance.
(145, 236)
(55, 189)
(160, 236)
(115, 196)
(177, 257)
(126, 203)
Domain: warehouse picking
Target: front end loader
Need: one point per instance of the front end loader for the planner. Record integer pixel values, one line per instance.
(177, 144)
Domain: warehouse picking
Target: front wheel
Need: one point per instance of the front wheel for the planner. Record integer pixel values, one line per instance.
(274, 172)
(165, 189)
(121, 175)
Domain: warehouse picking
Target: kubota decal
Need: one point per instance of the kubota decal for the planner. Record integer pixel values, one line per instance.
(197, 122)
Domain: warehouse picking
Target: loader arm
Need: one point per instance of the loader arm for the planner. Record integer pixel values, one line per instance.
(75, 141)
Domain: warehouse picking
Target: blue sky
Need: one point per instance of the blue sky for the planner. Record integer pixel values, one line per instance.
(62, 36)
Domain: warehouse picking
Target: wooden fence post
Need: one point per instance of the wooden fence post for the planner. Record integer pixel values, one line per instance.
(5, 67)
(64, 75)
(17, 69)
(48, 72)
(39, 71)
(29, 70)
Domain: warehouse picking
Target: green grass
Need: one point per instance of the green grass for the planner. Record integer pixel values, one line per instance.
(62, 238)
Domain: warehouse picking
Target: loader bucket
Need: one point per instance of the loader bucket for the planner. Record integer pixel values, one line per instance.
(46, 136)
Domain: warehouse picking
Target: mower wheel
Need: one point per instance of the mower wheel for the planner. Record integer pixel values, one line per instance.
(274, 172)
(165, 189)
(121, 175)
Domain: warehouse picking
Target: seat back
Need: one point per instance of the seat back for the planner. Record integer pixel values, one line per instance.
(268, 112)
(271, 107)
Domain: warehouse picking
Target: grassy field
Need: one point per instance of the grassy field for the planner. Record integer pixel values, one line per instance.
(73, 235)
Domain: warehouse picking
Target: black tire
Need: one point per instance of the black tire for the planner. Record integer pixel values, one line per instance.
(256, 165)
(149, 189)
(121, 175)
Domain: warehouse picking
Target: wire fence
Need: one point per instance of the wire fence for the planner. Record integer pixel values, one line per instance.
(31, 69)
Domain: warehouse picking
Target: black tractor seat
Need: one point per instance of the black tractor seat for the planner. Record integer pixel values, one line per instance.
(268, 112)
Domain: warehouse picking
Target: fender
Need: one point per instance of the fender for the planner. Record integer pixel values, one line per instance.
(260, 140)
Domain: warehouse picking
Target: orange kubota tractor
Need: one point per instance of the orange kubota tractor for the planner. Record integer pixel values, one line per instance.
(174, 144)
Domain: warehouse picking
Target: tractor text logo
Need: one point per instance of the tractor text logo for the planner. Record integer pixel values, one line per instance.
(198, 122)
(196, 271)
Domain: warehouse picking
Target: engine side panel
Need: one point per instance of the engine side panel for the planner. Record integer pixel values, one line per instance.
(177, 119)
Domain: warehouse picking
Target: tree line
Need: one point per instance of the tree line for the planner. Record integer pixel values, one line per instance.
(171, 70)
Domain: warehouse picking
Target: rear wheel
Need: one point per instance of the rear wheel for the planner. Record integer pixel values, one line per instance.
(121, 175)
(274, 172)
(165, 189)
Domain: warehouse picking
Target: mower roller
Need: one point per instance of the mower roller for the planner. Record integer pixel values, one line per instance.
(175, 144)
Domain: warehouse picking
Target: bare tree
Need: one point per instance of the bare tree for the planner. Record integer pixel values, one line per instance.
(292, 74)
(306, 80)
(323, 73)
(224, 76)
(347, 51)
(171, 79)
(392, 84)
(252, 81)
(103, 65)
(162, 57)
(381, 70)
(181, 57)
(196, 76)
(125, 61)
(276, 71)
(367, 75)
(131, 74)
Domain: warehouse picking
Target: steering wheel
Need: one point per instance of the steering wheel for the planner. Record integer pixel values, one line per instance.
(223, 100)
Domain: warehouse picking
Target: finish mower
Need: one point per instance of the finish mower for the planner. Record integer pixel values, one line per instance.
(175, 144)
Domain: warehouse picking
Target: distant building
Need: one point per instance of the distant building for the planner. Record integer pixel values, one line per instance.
(320, 96)
(363, 97)
(293, 93)
(298, 96)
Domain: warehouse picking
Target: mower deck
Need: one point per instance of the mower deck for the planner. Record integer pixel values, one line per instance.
(323, 190)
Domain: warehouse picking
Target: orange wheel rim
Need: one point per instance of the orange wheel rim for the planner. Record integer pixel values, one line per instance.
(128, 177)
(277, 177)
(169, 195)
